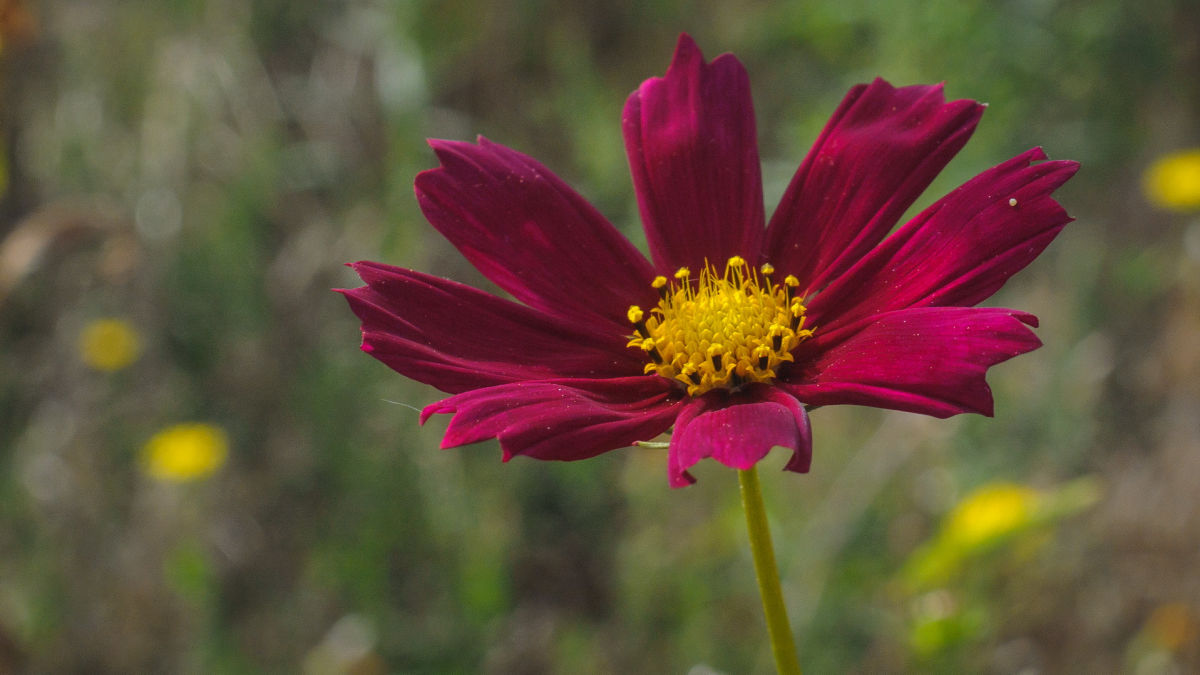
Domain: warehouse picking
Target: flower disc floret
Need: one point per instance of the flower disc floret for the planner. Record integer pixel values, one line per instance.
(722, 330)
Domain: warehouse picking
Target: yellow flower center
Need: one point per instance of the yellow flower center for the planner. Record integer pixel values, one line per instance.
(721, 330)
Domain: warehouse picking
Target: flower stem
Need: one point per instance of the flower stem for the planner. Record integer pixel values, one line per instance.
(780, 631)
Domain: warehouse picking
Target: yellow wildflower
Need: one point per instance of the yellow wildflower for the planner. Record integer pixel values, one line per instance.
(992, 511)
(1173, 181)
(109, 345)
(185, 452)
(984, 518)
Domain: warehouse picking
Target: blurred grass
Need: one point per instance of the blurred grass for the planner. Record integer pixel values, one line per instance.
(201, 169)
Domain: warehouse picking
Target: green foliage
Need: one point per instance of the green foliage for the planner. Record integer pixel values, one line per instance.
(202, 169)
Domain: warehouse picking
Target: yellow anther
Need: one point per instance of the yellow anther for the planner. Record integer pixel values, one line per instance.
(791, 280)
(724, 329)
(659, 282)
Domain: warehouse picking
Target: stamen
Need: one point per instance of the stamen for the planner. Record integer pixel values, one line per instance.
(660, 282)
(724, 329)
(636, 317)
(763, 354)
(716, 356)
(790, 284)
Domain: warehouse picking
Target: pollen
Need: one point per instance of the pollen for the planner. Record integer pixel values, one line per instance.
(720, 330)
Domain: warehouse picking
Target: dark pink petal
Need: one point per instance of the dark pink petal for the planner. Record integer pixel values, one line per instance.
(929, 360)
(876, 155)
(458, 338)
(738, 430)
(959, 251)
(561, 419)
(693, 151)
(533, 235)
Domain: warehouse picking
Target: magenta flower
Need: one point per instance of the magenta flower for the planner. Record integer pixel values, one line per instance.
(736, 324)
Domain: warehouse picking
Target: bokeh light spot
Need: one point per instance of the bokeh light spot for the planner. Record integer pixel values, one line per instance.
(185, 452)
(109, 345)
(1173, 181)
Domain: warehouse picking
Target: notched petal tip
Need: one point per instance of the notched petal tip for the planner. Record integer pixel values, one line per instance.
(680, 479)
(800, 462)
(442, 145)
(439, 408)
(686, 48)
(1034, 154)
(1027, 319)
(453, 157)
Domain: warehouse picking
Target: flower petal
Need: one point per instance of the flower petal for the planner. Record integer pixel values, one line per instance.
(458, 338)
(561, 419)
(879, 151)
(959, 251)
(693, 151)
(929, 360)
(531, 234)
(738, 430)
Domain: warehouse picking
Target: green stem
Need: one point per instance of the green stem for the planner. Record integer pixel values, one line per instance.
(780, 631)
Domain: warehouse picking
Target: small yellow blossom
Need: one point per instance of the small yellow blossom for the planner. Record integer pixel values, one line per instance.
(992, 511)
(994, 515)
(185, 452)
(984, 518)
(1173, 181)
(1173, 626)
(108, 345)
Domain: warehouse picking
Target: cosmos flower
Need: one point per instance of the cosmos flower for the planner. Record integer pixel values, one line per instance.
(735, 326)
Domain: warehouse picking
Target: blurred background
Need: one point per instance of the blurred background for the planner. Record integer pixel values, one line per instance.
(200, 472)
